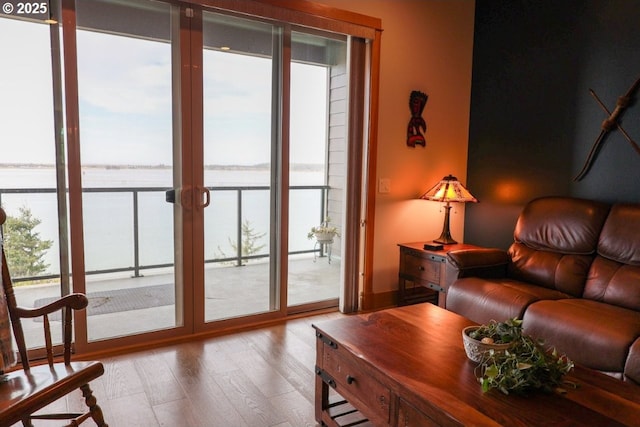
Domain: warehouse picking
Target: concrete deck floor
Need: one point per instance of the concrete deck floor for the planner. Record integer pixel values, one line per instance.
(230, 291)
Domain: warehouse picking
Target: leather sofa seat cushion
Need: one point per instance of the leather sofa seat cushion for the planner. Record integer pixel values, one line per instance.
(591, 333)
(482, 300)
(632, 367)
(561, 224)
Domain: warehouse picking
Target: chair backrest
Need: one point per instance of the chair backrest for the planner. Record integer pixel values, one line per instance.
(16, 313)
(10, 297)
(7, 352)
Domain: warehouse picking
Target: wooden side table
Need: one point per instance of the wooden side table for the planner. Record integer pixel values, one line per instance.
(425, 275)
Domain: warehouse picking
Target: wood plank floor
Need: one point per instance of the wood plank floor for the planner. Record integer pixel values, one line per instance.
(258, 378)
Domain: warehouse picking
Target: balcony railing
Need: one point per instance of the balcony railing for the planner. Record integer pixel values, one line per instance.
(238, 257)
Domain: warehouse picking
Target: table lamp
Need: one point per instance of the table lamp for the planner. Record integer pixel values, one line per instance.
(448, 190)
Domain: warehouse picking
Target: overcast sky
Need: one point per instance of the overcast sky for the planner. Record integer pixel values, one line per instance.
(125, 102)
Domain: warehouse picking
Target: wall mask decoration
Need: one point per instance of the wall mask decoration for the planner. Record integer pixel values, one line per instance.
(609, 124)
(417, 125)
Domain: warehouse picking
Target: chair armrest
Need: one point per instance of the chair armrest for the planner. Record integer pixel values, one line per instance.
(74, 301)
(481, 262)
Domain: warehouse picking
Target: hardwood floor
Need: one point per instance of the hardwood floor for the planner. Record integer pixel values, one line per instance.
(258, 378)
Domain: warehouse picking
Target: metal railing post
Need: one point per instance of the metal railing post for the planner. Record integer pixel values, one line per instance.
(323, 214)
(239, 230)
(136, 236)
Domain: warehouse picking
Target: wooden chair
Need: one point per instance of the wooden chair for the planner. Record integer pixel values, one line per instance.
(27, 390)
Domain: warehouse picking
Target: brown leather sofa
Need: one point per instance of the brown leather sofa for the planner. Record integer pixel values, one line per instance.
(572, 274)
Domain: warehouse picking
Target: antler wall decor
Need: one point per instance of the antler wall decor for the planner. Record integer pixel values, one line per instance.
(417, 125)
(609, 124)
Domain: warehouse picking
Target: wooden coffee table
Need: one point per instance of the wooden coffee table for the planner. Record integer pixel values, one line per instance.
(406, 366)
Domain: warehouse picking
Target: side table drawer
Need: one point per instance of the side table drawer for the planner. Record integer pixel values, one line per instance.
(355, 385)
(420, 268)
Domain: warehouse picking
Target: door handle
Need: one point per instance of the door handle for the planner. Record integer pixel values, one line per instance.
(184, 193)
(207, 197)
(185, 196)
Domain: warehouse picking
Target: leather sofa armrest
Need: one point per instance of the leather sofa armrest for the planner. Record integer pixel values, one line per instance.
(482, 262)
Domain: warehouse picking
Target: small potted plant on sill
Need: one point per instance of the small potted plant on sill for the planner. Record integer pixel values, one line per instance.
(323, 233)
(517, 363)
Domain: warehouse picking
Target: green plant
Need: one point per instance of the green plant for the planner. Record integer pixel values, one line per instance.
(324, 227)
(526, 365)
(250, 239)
(498, 332)
(23, 246)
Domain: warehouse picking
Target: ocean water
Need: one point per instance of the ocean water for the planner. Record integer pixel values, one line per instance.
(108, 216)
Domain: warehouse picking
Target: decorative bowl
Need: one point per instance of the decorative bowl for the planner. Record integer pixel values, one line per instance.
(474, 348)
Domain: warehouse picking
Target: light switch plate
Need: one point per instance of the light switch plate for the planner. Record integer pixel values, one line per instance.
(384, 186)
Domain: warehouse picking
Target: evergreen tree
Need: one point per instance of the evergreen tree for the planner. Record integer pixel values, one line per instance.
(23, 246)
(250, 239)
(250, 242)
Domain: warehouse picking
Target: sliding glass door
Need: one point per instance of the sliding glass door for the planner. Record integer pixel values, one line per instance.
(317, 169)
(132, 126)
(126, 145)
(198, 152)
(239, 167)
(256, 190)
(32, 163)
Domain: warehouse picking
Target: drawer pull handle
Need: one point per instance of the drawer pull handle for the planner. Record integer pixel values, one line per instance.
(350, 379)
(421, 268)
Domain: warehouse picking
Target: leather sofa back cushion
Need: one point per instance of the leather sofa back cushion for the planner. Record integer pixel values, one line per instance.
(565, 273)
(614, 283)
(620, 236)
(561, 224)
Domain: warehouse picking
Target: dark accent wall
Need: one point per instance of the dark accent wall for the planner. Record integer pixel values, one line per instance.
(533, 120)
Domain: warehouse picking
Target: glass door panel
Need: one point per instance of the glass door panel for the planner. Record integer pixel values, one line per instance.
(29, 163)
(126, 144)
(238, 167)
(317, 168)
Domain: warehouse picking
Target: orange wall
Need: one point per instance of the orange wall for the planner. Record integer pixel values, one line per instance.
(426, 45)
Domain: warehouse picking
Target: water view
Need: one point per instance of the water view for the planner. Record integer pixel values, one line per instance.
(109, 215)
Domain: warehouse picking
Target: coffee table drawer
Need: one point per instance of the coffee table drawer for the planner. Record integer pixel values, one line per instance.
(355, 385)
(409, 416)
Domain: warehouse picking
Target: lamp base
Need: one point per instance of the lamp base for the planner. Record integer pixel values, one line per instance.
(445, 237)
(445, 241)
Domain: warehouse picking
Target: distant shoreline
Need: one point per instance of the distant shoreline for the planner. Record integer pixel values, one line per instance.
(261, 166)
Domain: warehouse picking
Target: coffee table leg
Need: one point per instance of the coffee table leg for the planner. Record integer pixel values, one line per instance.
(321, 398)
